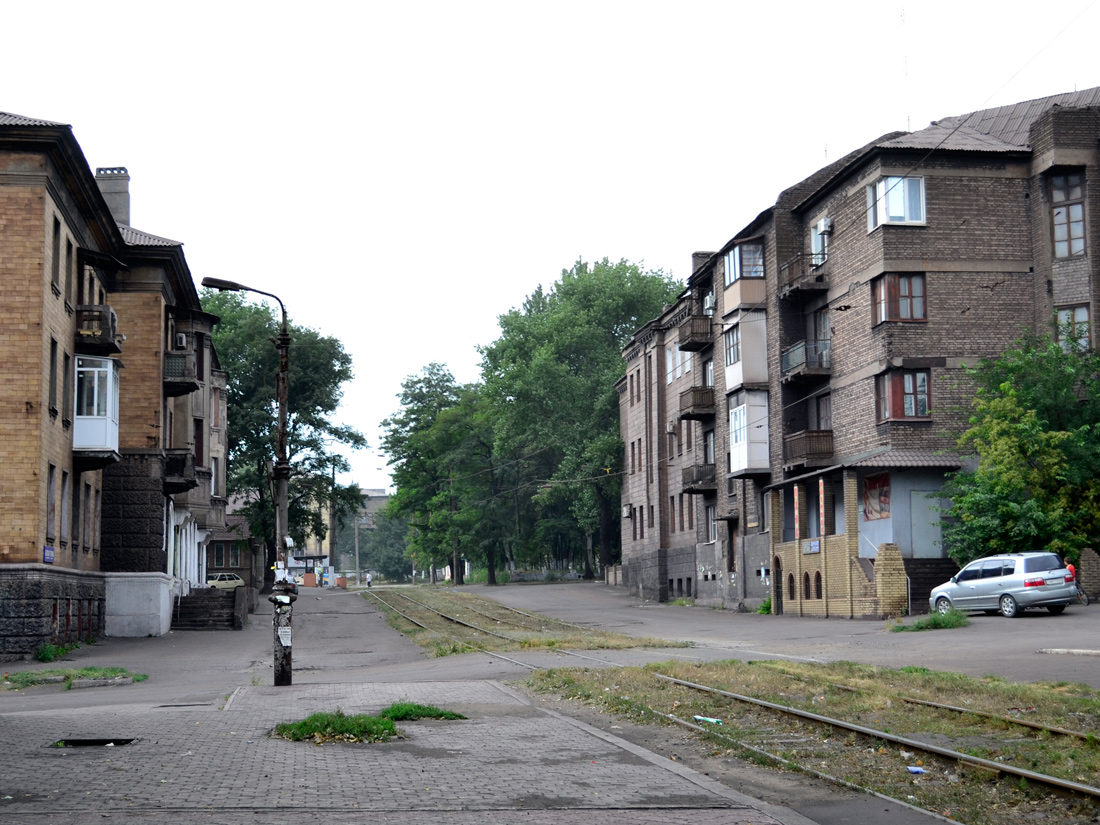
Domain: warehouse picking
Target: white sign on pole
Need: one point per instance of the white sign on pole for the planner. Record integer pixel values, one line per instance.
(284, 636)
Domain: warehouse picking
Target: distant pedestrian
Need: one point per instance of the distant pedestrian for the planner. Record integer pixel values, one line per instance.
(369, 579)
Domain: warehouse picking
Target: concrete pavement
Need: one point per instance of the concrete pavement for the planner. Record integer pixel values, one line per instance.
(201, 751)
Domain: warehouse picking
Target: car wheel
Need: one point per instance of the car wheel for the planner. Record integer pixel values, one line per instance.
(943, 604)
(1009, 608)
(1056, 609)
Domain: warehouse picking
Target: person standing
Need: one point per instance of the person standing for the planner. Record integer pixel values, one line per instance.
(369, 579)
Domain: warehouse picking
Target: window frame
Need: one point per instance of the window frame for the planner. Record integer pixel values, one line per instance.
(736, 266)
(1066, 320)
(1067, 202)
(895, 299)
(894, 388)
(732, 345)
(881, 200)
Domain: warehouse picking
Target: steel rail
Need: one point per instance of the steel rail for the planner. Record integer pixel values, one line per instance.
(987, 764)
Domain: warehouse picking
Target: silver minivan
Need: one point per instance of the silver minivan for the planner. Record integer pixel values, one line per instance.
(1010, 584)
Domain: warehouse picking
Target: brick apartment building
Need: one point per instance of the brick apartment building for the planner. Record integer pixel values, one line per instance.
(789, 422)
(112, 408)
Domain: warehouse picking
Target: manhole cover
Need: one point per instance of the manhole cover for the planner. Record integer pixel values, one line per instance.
(90, 743)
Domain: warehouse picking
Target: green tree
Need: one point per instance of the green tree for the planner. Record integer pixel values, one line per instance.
(550, 379)
(1033, 426)
(383, 547)
(319, 367)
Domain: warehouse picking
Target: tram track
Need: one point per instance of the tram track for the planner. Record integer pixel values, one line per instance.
(822, 727)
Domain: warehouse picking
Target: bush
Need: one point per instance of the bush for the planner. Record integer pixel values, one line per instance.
(935, 621)
(765, 607)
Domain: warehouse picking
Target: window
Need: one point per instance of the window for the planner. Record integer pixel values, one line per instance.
(86, 527)
(200, 452)
(234, 555)
(806, 586)
(69, 271)
(632, 464)
(825, 412)
(51, 502)
(733, 345)
(78, 522)
(711, 511)
(66, 495)
(708, 447)
(817, 585)
(53, 377)
(219, 555)
(55, 258)
(1067, 214)
(739, 423)
(745, 260)
(92, 382)
(631, 390)
(819, 241)
(902, 394)
(1073, 327)
(215, 476)
(66, 388)
(899, 298)
(708, 373)
(895, 200)
(681, 511)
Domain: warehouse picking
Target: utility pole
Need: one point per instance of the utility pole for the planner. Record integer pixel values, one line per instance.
(282, 598)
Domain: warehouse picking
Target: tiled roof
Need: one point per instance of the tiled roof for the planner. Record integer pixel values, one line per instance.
(909, 458)
(1011, 123)
(135, 237)
(8, 119)
(957, 138)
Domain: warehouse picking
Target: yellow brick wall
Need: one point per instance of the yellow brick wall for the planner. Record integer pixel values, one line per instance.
(141, 320)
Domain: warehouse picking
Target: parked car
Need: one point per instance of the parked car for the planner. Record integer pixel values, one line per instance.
(1010, 583)
(225, 581)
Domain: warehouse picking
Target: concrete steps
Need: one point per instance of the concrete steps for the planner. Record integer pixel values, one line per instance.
(924, 574)
(205, 610)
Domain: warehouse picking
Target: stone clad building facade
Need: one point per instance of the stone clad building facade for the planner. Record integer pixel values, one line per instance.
(112, 457)
(836, 328)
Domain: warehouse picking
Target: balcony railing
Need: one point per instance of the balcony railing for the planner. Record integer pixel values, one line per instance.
(699, 478)
(697, 403)
(179, 471)
(180, 373)
(810, 357)
(695, 333)
(97, 330)
(805, 271)
(808, 447)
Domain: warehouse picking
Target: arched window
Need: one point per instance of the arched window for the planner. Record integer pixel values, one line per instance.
(790, 586)
(805, 585)
(817, 585)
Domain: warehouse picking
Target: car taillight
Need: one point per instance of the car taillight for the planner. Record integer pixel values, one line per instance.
(1039, 582)
(1069, 577)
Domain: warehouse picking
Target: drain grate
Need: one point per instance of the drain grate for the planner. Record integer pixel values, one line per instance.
(91, 743)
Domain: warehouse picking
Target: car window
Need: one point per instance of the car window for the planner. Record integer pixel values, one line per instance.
(970, 573)
(1037, 564)
(992, 569)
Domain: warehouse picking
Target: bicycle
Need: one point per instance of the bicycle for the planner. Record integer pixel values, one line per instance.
(1082, 596)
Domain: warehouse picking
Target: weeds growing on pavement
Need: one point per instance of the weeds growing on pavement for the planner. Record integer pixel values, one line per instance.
(48, 652)
(29, 678)
(934, 621)
(340, 727)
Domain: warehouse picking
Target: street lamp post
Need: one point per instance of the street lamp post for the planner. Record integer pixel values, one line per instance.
(282, 598)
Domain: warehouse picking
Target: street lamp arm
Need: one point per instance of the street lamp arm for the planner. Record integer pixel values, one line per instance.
(233, 286)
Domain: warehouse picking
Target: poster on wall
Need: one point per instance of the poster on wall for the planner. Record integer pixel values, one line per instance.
(876, 497)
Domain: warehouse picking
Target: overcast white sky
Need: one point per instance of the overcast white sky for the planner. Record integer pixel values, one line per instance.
(402, 173)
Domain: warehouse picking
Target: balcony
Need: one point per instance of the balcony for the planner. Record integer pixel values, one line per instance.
(179, 471)
(697, 403)
(695, 333)
(180, 373)
(807, 273)
(699, 478)
(97, 331)
(808, 357)
(809, 448)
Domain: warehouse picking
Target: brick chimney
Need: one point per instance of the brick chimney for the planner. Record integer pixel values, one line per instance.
(114, 184)
(697, 259)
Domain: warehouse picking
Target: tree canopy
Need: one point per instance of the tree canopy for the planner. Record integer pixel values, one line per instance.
(1033, 426)
(318, 369)
(524, 465)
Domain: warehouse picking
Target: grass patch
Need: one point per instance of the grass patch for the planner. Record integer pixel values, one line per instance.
(48, 652)
(360, 727)
(683, 602)
(934, 621)
(765, 608)
(29, 678)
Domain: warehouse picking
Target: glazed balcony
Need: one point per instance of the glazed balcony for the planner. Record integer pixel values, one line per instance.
(179, 471)
(180, 373)
(699, 478)
(97, 331)
(806, 358)
(806, 274)
(695, 333)
(697, 403)
(809, 448)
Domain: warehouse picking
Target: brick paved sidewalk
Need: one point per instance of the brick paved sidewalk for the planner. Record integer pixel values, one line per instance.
(509, 762)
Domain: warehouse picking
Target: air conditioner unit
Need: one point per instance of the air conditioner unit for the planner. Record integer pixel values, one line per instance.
(181, 340)
(628, 511)
(670, 428)
(826, 226)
